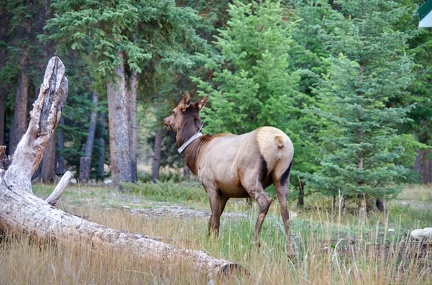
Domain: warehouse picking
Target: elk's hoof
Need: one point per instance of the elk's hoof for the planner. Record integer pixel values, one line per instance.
(291, 256)
(257, 244)
(290, 253)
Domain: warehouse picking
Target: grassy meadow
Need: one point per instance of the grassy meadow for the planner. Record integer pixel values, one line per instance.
(329, 250)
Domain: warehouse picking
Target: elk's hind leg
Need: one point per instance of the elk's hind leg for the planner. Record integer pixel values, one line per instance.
(264, 203)
(281, 185)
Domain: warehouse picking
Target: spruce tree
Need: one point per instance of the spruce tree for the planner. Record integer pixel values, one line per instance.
(306, 55)
(369, 70)
(251, 85)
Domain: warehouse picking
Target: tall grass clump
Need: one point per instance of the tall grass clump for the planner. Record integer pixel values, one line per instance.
(26, 261)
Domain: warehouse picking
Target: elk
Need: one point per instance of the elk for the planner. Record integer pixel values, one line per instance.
(234, 166)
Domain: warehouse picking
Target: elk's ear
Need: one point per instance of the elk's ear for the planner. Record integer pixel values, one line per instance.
(202, 103)
(184, 102)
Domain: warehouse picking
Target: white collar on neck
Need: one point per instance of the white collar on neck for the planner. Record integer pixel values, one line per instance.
(189, 141)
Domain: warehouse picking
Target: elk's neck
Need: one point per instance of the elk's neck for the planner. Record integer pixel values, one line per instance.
(188, 130)
(181, 139)
(194, 151)
(191, 134)
(189, 141)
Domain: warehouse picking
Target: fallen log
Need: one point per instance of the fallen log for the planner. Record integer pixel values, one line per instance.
(22, 211)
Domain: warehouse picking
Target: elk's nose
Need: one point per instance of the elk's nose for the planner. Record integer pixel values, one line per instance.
(167, 122)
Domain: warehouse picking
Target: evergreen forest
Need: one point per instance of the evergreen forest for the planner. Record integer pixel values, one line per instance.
(349, 81)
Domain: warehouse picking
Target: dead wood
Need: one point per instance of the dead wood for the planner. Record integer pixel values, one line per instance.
(22, 211)
(43, 120)
(58, 191)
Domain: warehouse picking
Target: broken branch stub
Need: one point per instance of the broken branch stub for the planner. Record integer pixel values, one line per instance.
(58, 191)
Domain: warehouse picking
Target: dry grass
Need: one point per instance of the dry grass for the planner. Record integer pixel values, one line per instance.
(328, 251)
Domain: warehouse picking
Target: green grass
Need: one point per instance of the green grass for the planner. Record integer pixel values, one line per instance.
(185, 192)
(329, 251)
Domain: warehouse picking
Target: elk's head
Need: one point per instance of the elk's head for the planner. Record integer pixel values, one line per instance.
(185, 119)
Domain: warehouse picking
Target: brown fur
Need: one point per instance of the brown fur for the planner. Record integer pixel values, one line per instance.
(235, 166)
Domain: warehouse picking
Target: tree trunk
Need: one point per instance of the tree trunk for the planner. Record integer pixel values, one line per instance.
(4, 26)
(92, 127)
(101, 147)
(156, 154)
(20, 115)
(381, 204)
(2, 113)
(48, 162)
(84, 170)
(85, 162)
(119, 140)
(59, 157)
(132, 123)
(339, 207)
(300, 197)
(362, 209)
(20, 210)
(423, 165)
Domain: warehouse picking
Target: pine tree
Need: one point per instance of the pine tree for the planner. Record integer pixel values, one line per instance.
(369, 70)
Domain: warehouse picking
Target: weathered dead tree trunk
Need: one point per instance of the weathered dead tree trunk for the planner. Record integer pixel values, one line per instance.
(22, 211)
(43, 120)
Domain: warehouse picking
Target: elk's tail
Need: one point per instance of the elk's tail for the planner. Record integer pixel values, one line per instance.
(280, 141)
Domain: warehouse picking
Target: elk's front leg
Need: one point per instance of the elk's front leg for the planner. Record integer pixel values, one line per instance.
(217, 205)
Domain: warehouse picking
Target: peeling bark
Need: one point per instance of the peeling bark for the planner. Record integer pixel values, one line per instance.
(22, 211)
